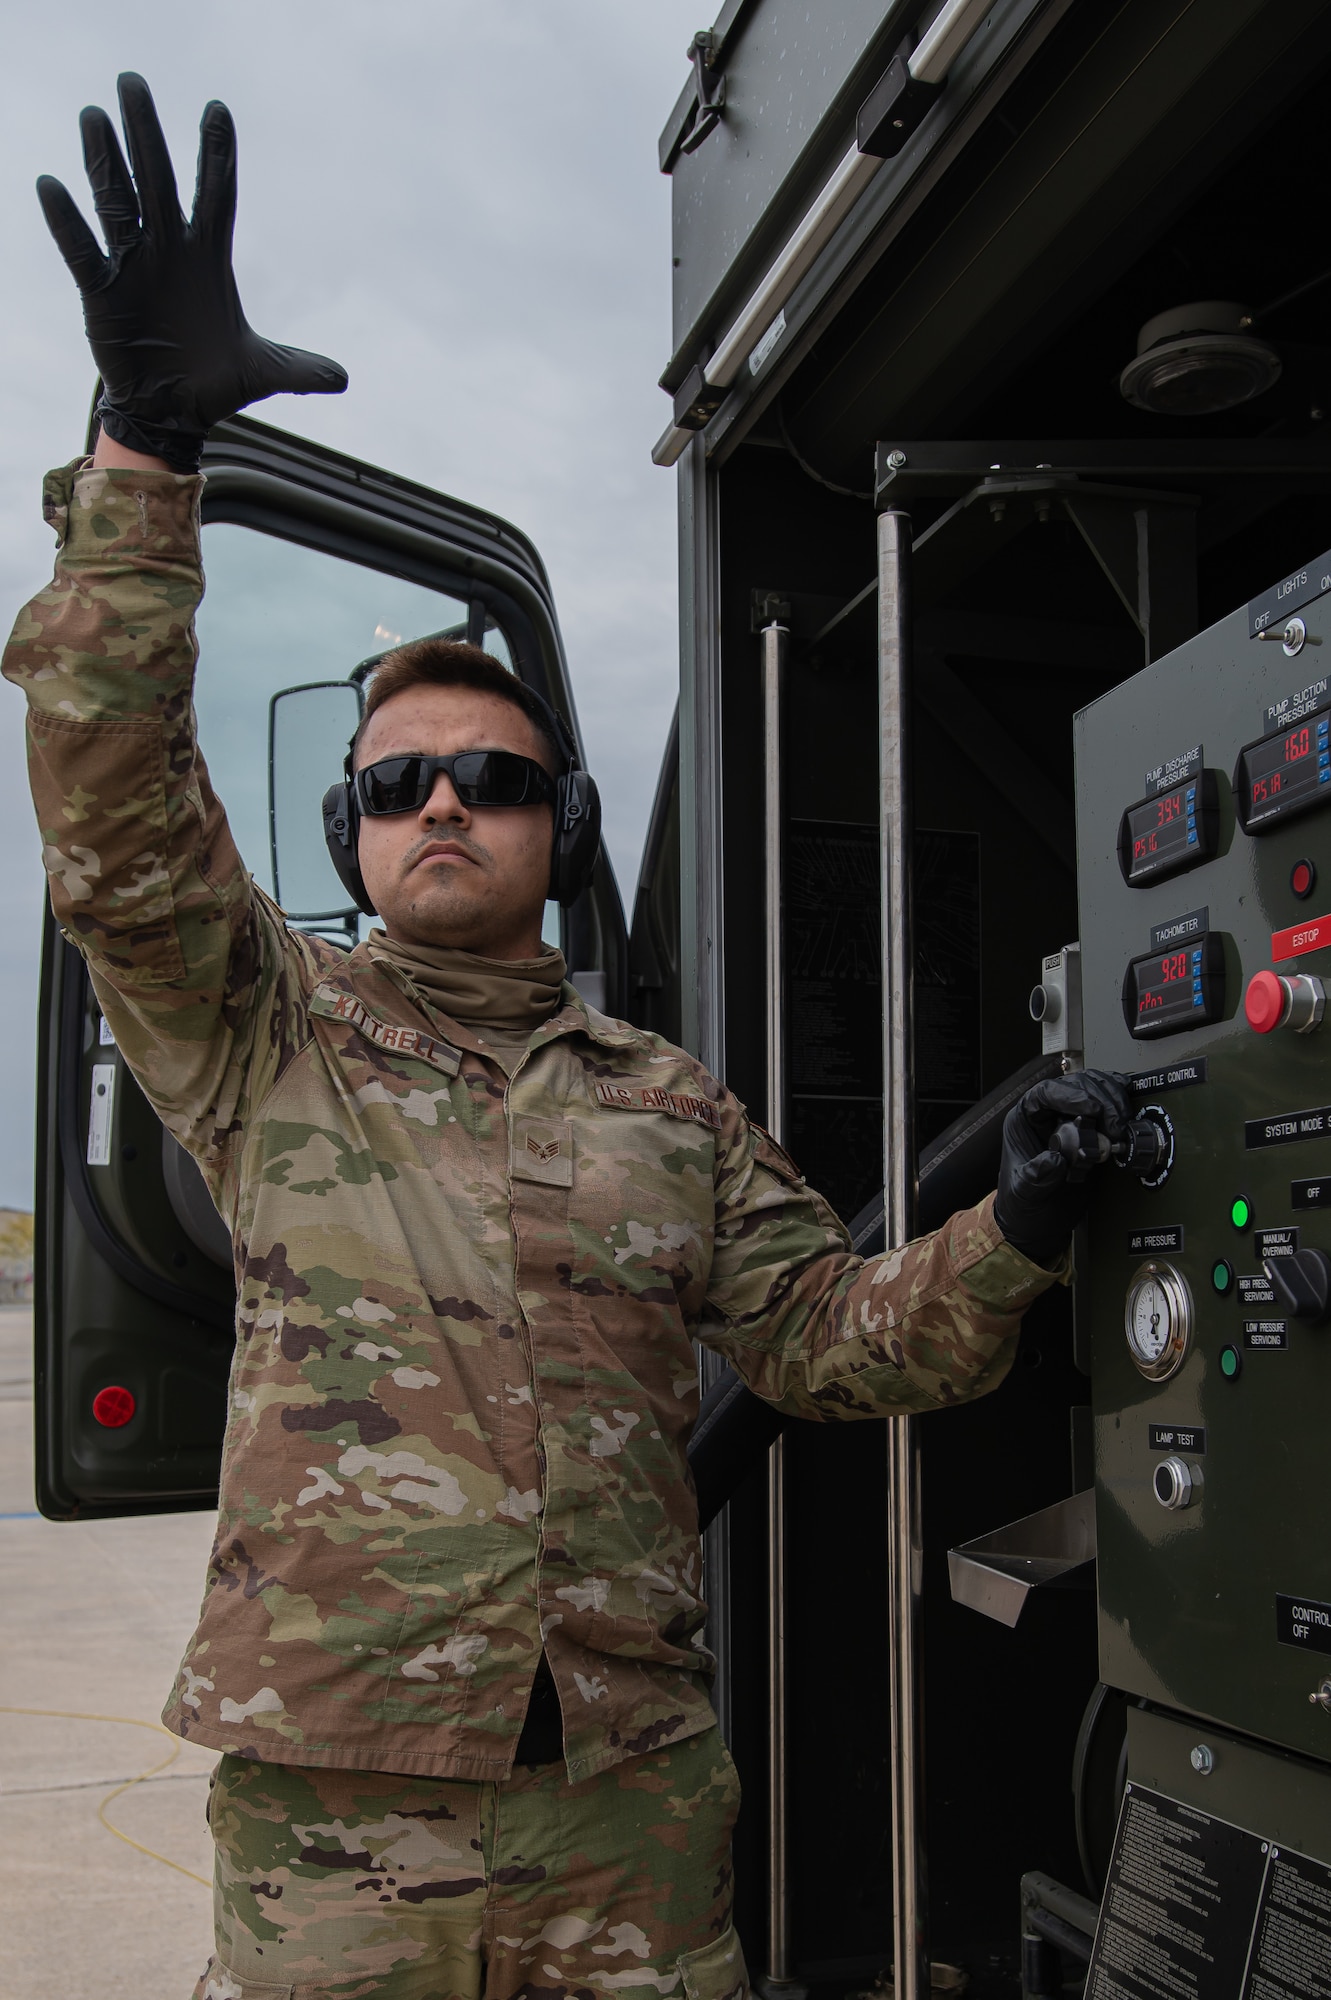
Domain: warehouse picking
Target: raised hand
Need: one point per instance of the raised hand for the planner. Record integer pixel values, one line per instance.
(164, 319)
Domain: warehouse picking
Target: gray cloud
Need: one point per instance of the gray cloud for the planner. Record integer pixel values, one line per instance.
(461, 203)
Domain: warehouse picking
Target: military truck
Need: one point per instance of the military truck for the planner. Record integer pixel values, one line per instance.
(999, 375)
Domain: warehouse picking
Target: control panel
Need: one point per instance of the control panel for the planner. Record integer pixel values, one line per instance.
(1204, 1287)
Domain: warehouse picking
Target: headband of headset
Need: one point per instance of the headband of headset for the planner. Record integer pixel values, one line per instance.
(577, 816)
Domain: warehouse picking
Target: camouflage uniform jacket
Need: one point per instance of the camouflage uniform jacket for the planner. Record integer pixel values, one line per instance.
(464, 1376)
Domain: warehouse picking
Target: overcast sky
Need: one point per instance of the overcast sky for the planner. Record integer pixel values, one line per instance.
(458, 199)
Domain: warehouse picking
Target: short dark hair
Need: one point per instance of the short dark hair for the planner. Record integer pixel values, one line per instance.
(452, 663)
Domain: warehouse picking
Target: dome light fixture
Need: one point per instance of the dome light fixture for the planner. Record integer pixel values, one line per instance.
(1197, 360)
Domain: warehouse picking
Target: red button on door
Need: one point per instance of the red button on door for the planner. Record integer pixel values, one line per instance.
(114, 1407)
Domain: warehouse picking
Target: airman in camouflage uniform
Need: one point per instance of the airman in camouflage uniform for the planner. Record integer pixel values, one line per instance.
(465, 1370)
(465, 1373)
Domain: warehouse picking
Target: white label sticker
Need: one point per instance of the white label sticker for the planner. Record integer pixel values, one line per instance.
(768, 342)
(99, 1114)
(104, 1035)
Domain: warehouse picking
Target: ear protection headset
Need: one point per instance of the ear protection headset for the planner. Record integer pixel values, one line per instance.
(577, 818)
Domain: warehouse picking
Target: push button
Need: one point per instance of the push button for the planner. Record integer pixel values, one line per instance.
(1274, 1001)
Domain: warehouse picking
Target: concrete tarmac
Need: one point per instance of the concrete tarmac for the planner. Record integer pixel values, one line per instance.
(95, 1618)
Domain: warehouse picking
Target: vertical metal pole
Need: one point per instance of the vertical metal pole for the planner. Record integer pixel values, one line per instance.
(701, 970)
(776, 639)
(909, 1877)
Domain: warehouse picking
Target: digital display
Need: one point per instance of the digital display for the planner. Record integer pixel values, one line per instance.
(1169, 832)
(1285, 773)
(1169, 992)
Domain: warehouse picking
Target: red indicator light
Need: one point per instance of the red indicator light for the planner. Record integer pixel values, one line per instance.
(1303, 879)
(114, 1407)
(1264, 1002)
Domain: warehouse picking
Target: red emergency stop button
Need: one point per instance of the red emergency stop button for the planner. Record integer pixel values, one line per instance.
(1264, 1002)
(114, 1407)
(1303, 879)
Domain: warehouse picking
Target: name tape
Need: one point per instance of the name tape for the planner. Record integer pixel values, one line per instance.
(650, 1097)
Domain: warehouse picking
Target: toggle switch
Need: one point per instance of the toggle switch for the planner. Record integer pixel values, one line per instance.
(1275, 1001)
(1302, 1284)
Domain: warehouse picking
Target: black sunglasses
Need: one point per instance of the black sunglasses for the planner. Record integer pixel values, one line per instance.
(479, 777)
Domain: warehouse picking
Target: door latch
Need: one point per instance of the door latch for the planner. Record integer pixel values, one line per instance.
(702, 53)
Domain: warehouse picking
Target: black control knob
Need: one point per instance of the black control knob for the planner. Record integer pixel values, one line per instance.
(1302, 1284)
(1146, 1149)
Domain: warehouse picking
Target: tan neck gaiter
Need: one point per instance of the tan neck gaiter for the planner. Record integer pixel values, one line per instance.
(502, 1001)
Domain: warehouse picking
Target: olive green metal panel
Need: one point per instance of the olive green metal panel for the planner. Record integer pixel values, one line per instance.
(1282, 1798)
(1188, 1598)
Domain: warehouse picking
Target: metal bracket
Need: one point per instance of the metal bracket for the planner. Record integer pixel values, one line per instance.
(996, 1573)
(703, 51)
(767, 607)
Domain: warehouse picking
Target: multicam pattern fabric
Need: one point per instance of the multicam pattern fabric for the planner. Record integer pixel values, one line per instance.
(464, 1376)
(387, 1888)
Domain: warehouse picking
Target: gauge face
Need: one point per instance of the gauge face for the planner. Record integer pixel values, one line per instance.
(1157, 1319)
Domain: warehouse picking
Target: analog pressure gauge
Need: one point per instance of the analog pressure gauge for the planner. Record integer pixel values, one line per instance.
(1157, 1319)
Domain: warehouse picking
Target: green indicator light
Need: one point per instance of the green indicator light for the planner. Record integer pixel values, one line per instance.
(1230, 1362)
(1222, 1275)
(1240, 1213)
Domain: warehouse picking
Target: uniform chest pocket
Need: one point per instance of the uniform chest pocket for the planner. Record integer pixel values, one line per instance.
(542, 1150)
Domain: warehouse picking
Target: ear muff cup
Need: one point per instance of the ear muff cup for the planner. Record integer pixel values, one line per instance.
(577, 836)
(577, 817)
(341, 818)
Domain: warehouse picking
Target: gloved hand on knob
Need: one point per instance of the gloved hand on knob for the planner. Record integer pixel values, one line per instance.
(164, 319)
(1052, 1138)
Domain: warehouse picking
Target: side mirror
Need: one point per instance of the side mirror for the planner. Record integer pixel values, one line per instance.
(309, 729)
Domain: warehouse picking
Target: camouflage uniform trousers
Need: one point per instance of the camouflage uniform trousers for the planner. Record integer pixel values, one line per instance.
(354, 1884)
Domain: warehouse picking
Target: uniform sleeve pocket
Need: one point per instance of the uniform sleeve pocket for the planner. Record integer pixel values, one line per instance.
(100, 793)
(715, 1971)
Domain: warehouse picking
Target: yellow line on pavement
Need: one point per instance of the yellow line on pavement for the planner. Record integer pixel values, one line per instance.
(131, 1722)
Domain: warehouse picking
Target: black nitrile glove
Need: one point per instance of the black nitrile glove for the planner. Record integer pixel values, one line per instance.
(164, 319)
(1052, 1138)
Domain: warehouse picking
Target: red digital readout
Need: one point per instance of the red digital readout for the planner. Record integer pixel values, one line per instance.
(1167, 811)
(1296, 746)
(1165, 971)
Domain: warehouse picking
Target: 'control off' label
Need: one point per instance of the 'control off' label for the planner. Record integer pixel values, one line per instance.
(1259, 1333)
(1303, 1621)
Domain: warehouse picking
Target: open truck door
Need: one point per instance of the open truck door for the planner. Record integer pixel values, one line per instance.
(316, 565)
